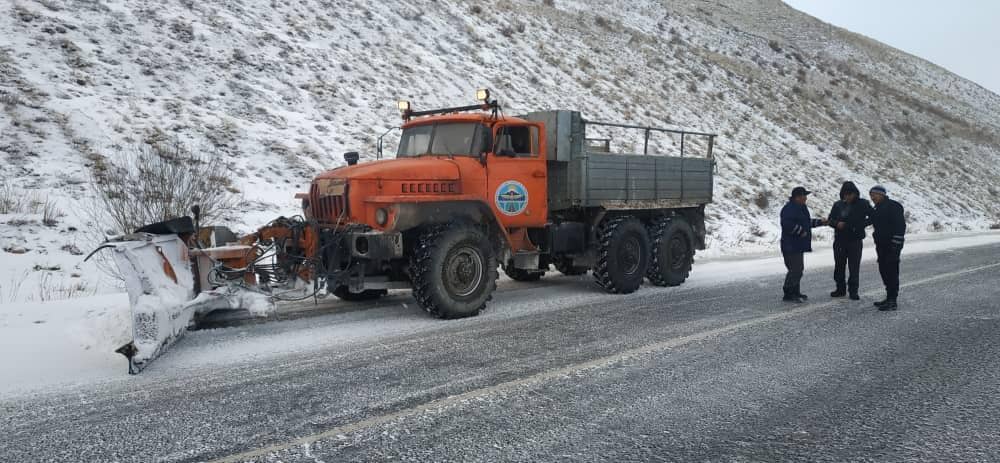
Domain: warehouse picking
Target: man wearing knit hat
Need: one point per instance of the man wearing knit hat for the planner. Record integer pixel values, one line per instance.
(890, 226)
(796, 240)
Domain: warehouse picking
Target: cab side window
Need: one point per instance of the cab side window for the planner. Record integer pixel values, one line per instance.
(520, 141)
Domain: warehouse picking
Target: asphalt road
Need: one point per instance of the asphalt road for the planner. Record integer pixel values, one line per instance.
(722, 372)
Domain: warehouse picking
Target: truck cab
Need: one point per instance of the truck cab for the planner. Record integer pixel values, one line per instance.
(447, 166)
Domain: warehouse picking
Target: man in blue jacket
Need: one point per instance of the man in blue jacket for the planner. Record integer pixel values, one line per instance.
(796, 240)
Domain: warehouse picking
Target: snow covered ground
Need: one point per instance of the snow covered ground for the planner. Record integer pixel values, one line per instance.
(66, 340)
(54, 344)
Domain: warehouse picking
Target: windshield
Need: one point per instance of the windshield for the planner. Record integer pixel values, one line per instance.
(459, 138)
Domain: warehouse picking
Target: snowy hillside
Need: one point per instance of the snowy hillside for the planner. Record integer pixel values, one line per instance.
(281, 89)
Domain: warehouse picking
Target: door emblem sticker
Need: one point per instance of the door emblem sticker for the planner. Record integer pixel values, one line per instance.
(511, 197)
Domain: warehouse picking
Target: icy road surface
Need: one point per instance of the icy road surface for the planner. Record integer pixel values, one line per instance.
(717, 369)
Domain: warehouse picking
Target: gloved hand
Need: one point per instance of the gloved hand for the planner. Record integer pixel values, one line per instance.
(897, 248)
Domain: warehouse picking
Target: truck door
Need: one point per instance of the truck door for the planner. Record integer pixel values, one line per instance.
(516, 175)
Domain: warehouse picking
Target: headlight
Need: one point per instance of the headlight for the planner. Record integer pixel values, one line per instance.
(483, 95)
(403, 105)
(381, 216)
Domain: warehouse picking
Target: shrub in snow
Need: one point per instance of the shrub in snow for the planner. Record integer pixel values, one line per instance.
(149, 183)
(9, 199)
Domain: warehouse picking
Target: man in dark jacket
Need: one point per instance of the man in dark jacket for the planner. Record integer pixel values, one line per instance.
(849, 217)
(796, 240)
(890, 226)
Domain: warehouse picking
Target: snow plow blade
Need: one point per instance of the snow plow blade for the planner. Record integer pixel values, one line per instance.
(160, 280)
(176, 272)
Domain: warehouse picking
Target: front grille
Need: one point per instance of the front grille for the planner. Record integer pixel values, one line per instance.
(327, 208)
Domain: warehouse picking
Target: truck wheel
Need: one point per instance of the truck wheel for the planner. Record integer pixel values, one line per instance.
(367, 295)
(673, 253)
(520, 274)
(623, 255)
(566, 267)
(454, 271)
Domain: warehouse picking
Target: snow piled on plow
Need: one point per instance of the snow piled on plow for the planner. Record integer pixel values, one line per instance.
(160, 285)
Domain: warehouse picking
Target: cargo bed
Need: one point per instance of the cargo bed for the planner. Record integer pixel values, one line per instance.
(582, 177)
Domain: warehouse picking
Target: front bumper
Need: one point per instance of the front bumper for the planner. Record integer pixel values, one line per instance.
(374, 245)
(368, 260)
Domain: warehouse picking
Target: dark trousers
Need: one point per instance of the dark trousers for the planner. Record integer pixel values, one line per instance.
(847, 255)
(888, 266)
(795, 264)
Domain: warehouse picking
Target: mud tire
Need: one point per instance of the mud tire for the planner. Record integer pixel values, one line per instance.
(672, 251)
(622, 256)
(454, 271)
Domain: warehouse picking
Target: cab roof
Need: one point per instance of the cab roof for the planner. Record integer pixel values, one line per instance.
(460, 117)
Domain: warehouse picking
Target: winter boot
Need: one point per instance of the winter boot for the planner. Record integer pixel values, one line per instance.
(839, 292)
(855, 297)
(882, 302)
(889, 305)
(798, 293)
(790, 295)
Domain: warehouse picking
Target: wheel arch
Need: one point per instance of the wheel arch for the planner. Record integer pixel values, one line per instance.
(414, 215)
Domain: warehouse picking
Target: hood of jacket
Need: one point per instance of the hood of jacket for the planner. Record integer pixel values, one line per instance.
(849, 187)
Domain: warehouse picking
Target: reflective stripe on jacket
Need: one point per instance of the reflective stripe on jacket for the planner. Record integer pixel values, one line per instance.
(796, 228)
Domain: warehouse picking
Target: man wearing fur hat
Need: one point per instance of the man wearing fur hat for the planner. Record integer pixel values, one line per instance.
(890, 226)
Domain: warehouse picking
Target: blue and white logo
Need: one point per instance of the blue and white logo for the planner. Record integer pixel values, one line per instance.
(512, 197)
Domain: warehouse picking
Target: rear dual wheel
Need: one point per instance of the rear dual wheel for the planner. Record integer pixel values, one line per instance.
(623, 254)
(673, 251)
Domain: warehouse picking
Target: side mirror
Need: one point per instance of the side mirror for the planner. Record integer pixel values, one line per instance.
(351, 157)
(487, 145)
